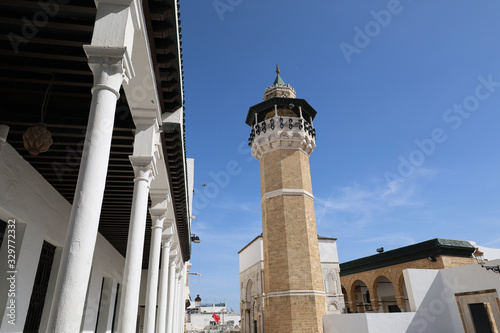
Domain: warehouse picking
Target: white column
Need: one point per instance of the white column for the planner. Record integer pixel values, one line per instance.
(144, 173)
(175, 320)
(158, 213)
(179, 307)
(171, 296)
(162, 300)
(182, 299)
(108, 66)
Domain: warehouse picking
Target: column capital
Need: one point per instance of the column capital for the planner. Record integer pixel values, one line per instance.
(168, 225)
(157, 220)
(166, 244)
(168, 231)
(159, 202)
(111, 66)
(159, 207)
(144, 168)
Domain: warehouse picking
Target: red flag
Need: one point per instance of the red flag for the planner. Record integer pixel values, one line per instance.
(216, 317)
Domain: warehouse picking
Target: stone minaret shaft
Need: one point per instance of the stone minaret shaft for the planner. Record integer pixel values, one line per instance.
(282, 138)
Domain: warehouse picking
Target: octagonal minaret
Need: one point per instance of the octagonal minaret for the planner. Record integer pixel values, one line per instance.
(282, 138)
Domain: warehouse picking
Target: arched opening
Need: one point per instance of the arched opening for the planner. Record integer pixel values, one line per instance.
(330, 284)
(249, 304)
(346, 299)
(386, 295)
(360, 297)
(248, 291)
(332, 307)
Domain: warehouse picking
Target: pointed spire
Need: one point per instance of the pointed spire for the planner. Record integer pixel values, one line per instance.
(279, 88)
(278, 81)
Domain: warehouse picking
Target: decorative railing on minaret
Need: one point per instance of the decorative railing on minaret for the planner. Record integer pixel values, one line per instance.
(282, 137)
(281, 121)
(281, 132)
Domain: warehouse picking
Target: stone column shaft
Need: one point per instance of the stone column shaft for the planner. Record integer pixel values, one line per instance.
(143, 169)
(401, 302)
(175, 320)
(182, 300)
(171, 297)
(108, 69)
(152, 283)
(162, 300)
(375, 305)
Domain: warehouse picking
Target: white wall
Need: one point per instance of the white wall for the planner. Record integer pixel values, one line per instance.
(190, 171)
(328, 251)
(368, 322)
(418, 282)
(41, 213)
(252, 254)
(438, 309)
(432, 296)
(431, 299)
(330, 265)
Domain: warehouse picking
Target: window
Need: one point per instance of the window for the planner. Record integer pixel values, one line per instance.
(40, 286)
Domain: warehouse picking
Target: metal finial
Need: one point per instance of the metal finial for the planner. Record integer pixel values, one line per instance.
(277, 70)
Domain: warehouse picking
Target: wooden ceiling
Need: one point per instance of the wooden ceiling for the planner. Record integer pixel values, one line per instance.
(52, 52)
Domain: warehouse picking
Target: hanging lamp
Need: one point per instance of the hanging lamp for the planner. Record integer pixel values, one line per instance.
(38, 139)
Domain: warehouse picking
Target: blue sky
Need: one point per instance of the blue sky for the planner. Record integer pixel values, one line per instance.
(407, 127)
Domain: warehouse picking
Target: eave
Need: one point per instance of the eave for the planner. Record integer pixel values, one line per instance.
(431, 248)
(56, 51)
(280, 102)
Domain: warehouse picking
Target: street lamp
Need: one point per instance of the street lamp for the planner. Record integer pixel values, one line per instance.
(195, 239)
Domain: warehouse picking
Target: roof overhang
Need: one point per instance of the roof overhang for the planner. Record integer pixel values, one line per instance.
(431, 248)
(281, 102)
(55, 54)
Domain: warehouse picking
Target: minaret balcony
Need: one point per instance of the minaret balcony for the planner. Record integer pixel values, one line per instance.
(282, 132)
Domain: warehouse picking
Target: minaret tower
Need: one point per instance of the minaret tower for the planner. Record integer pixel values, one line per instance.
(282, 137)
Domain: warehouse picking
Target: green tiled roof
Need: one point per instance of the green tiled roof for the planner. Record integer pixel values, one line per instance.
(431, 248)
(279, 81)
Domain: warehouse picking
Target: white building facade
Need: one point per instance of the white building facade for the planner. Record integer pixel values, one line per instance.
(200, 316)
(462, 299)
(95, 220)
(251, 260)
